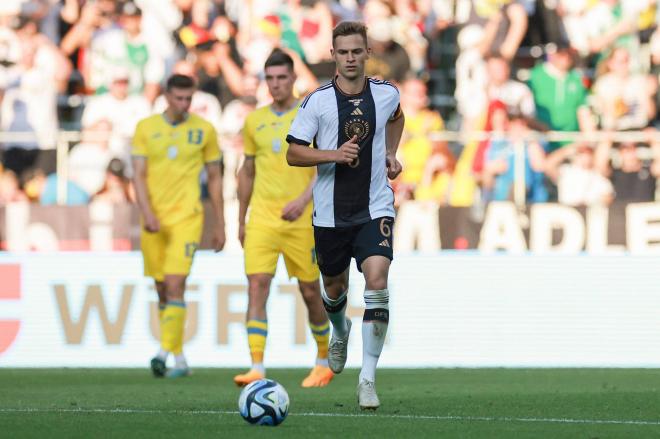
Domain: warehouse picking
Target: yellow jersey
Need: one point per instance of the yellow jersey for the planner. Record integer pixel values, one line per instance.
(176, 154)
(417, 148)
(276, 183)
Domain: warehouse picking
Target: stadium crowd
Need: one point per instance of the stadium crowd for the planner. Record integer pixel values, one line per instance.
(507, 68)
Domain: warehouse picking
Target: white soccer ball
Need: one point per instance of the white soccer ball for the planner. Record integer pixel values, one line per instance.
(264, 402)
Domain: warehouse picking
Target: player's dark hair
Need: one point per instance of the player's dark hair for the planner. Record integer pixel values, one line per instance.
(179, 81)
(278, 57)
(346, 28)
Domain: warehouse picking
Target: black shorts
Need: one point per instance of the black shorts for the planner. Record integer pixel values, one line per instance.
(335, 246)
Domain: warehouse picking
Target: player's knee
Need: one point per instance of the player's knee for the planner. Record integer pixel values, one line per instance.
(310, 290)
(378, 282)
(258, 284)
(174, 288)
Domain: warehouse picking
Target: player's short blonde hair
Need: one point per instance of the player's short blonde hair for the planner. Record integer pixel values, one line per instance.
(346, 28)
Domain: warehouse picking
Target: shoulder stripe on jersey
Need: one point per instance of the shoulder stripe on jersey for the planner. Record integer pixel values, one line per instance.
(379, 82)
(323, 87)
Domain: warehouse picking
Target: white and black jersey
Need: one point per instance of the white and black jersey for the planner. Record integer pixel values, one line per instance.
(346, 195)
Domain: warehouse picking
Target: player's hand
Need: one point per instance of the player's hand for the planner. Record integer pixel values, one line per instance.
(151, 223)
(219, 238)
(348, 152)
(293, 210)
(241, 233)
(394, 167)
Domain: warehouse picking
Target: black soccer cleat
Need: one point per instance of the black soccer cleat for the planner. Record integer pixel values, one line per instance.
(158, 367)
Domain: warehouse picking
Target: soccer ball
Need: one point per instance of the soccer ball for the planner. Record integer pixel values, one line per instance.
(264, 402)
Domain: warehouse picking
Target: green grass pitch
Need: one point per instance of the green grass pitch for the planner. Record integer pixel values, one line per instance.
(416, 403)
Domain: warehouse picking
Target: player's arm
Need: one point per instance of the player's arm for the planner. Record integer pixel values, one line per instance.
(303, 130)
(393, 132)
(295, 208)
(151, 223)
(246, 177)
(300, 154)
(217, 202)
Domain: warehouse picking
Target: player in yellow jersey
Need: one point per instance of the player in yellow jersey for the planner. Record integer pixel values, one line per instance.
(279, 222)
(169, 152)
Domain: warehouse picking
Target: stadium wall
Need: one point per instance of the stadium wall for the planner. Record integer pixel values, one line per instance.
(447, 309)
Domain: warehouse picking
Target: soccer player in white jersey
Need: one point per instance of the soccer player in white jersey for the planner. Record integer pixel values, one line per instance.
(354, 124)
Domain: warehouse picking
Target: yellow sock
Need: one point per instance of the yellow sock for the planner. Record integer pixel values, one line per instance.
(321, 334)
(257, 331)
(172, 326)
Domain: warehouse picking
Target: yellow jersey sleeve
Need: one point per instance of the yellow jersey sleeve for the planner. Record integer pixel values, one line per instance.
(139, 145)
(249, 145)
(212, 148)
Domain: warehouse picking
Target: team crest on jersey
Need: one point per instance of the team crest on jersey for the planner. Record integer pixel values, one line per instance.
(261, 127)
(356, 127)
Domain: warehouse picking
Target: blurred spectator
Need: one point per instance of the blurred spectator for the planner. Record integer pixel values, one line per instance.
(623, 100)
(388, 59)
(633, 179)
(407, 21)
(124, 46)
(471, 77)
(10, 190)
(120, 109)
(504, 23)
(578, 181)
(415, 146)
(516, 95)
(513, 158)
(233, 119)
(203, 104)
(219, 67)
(417, 226)
(573, 16)
(160, 18)
(29, 104)
(116, 188)
(44, 189)
(93, 19)
(559, 94)
(496, 124)
(615, 23)
(310, 21)
(89, 159)
(436, 181)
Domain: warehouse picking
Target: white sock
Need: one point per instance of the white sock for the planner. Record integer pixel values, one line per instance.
(323, 362)
(374, 330)
(162, 354)
(336, 311)
(259, 367)
(180, 361)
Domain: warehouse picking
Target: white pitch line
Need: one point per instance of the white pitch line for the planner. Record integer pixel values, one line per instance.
(345, 415)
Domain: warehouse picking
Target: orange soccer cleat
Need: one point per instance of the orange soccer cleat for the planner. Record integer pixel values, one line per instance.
(246, 378)
(320, 376)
